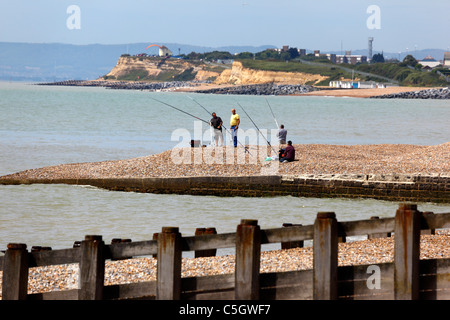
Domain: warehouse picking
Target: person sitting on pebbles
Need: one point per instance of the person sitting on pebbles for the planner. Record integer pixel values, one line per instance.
(288, 153)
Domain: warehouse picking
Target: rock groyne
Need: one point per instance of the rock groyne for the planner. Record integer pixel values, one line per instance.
(263, 89)
(435, 93)
(254, 89)
(125, 85)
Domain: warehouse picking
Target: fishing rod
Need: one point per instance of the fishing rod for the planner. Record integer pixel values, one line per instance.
(180, 110)
(210, 128)
(272, 113)
(245, 148)
(257, 128)
(199, 105)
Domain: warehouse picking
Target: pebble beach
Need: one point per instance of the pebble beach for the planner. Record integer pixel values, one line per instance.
(207, 161)
(311, 159)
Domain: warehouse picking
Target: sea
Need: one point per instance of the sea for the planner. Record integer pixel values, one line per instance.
(50, 125)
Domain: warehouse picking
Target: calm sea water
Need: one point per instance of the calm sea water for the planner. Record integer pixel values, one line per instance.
(42, 126)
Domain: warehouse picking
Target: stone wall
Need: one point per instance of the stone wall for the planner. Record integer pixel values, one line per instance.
(392, 188)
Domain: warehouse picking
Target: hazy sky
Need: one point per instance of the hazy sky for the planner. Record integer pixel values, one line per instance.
(324, 24)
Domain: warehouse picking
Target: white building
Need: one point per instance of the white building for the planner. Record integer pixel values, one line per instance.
(350, 58)
(430, 62)
(164, 51)
(358, 84)
(446, 63)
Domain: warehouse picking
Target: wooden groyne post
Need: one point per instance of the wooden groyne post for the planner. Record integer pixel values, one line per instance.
(325, 256)
(407, 252)
(248, 254)
(168, 285)
(15, 284)
(92, 268)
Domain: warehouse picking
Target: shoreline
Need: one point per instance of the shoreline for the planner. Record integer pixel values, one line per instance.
(200, 87)
(365, 93)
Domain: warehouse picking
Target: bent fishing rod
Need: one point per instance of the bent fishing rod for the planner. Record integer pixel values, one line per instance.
(272, 113)
(245, 148)
(257, 128)
(180, 110)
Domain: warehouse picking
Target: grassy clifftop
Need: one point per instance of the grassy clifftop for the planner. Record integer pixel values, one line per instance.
(403, 75)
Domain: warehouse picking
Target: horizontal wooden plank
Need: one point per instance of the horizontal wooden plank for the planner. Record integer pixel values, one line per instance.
(362, 272)
(287, 234)
(435, 295)
(54, 257)
(436, 221)
(217, 287)
(434, 266)
(292, 285)
(131, 249)
(210, 241)
(141, 290)
(365, 227)
(55, 295)
(208, 283)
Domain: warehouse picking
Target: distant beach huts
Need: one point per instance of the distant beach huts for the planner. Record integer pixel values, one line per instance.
(359, 84)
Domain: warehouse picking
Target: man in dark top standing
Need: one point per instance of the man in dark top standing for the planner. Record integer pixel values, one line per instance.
(289, 153)
(282, 135)
(216, 123)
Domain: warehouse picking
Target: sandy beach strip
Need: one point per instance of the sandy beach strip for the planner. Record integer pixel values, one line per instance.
(363, 93)
(311, 159)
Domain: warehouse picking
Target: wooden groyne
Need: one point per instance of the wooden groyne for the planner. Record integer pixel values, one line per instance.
(406, 278)
(400, 188)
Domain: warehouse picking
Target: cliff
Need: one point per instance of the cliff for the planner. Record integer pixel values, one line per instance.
(243, 76)
(161, 69)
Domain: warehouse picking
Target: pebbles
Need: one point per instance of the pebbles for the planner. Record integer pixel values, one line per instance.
(312, 159)
(362, 252)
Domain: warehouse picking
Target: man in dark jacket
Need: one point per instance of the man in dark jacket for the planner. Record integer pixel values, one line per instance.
(216, 123)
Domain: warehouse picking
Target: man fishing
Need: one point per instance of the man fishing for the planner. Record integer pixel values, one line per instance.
(216, 123)
(282, 135)
(234, 125)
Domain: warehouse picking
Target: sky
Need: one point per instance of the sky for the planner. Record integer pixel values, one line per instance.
(326, 25)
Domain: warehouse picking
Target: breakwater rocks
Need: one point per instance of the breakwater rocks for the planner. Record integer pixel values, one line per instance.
(256, 89)
(442, 93)
(263, 89)
(125, 85)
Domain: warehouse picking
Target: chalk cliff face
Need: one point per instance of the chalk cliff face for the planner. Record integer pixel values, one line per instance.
(158, 69)
(137, 68)
(243, 76)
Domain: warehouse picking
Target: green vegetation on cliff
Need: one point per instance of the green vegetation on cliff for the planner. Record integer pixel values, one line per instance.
(403, 74)
(328, 70)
